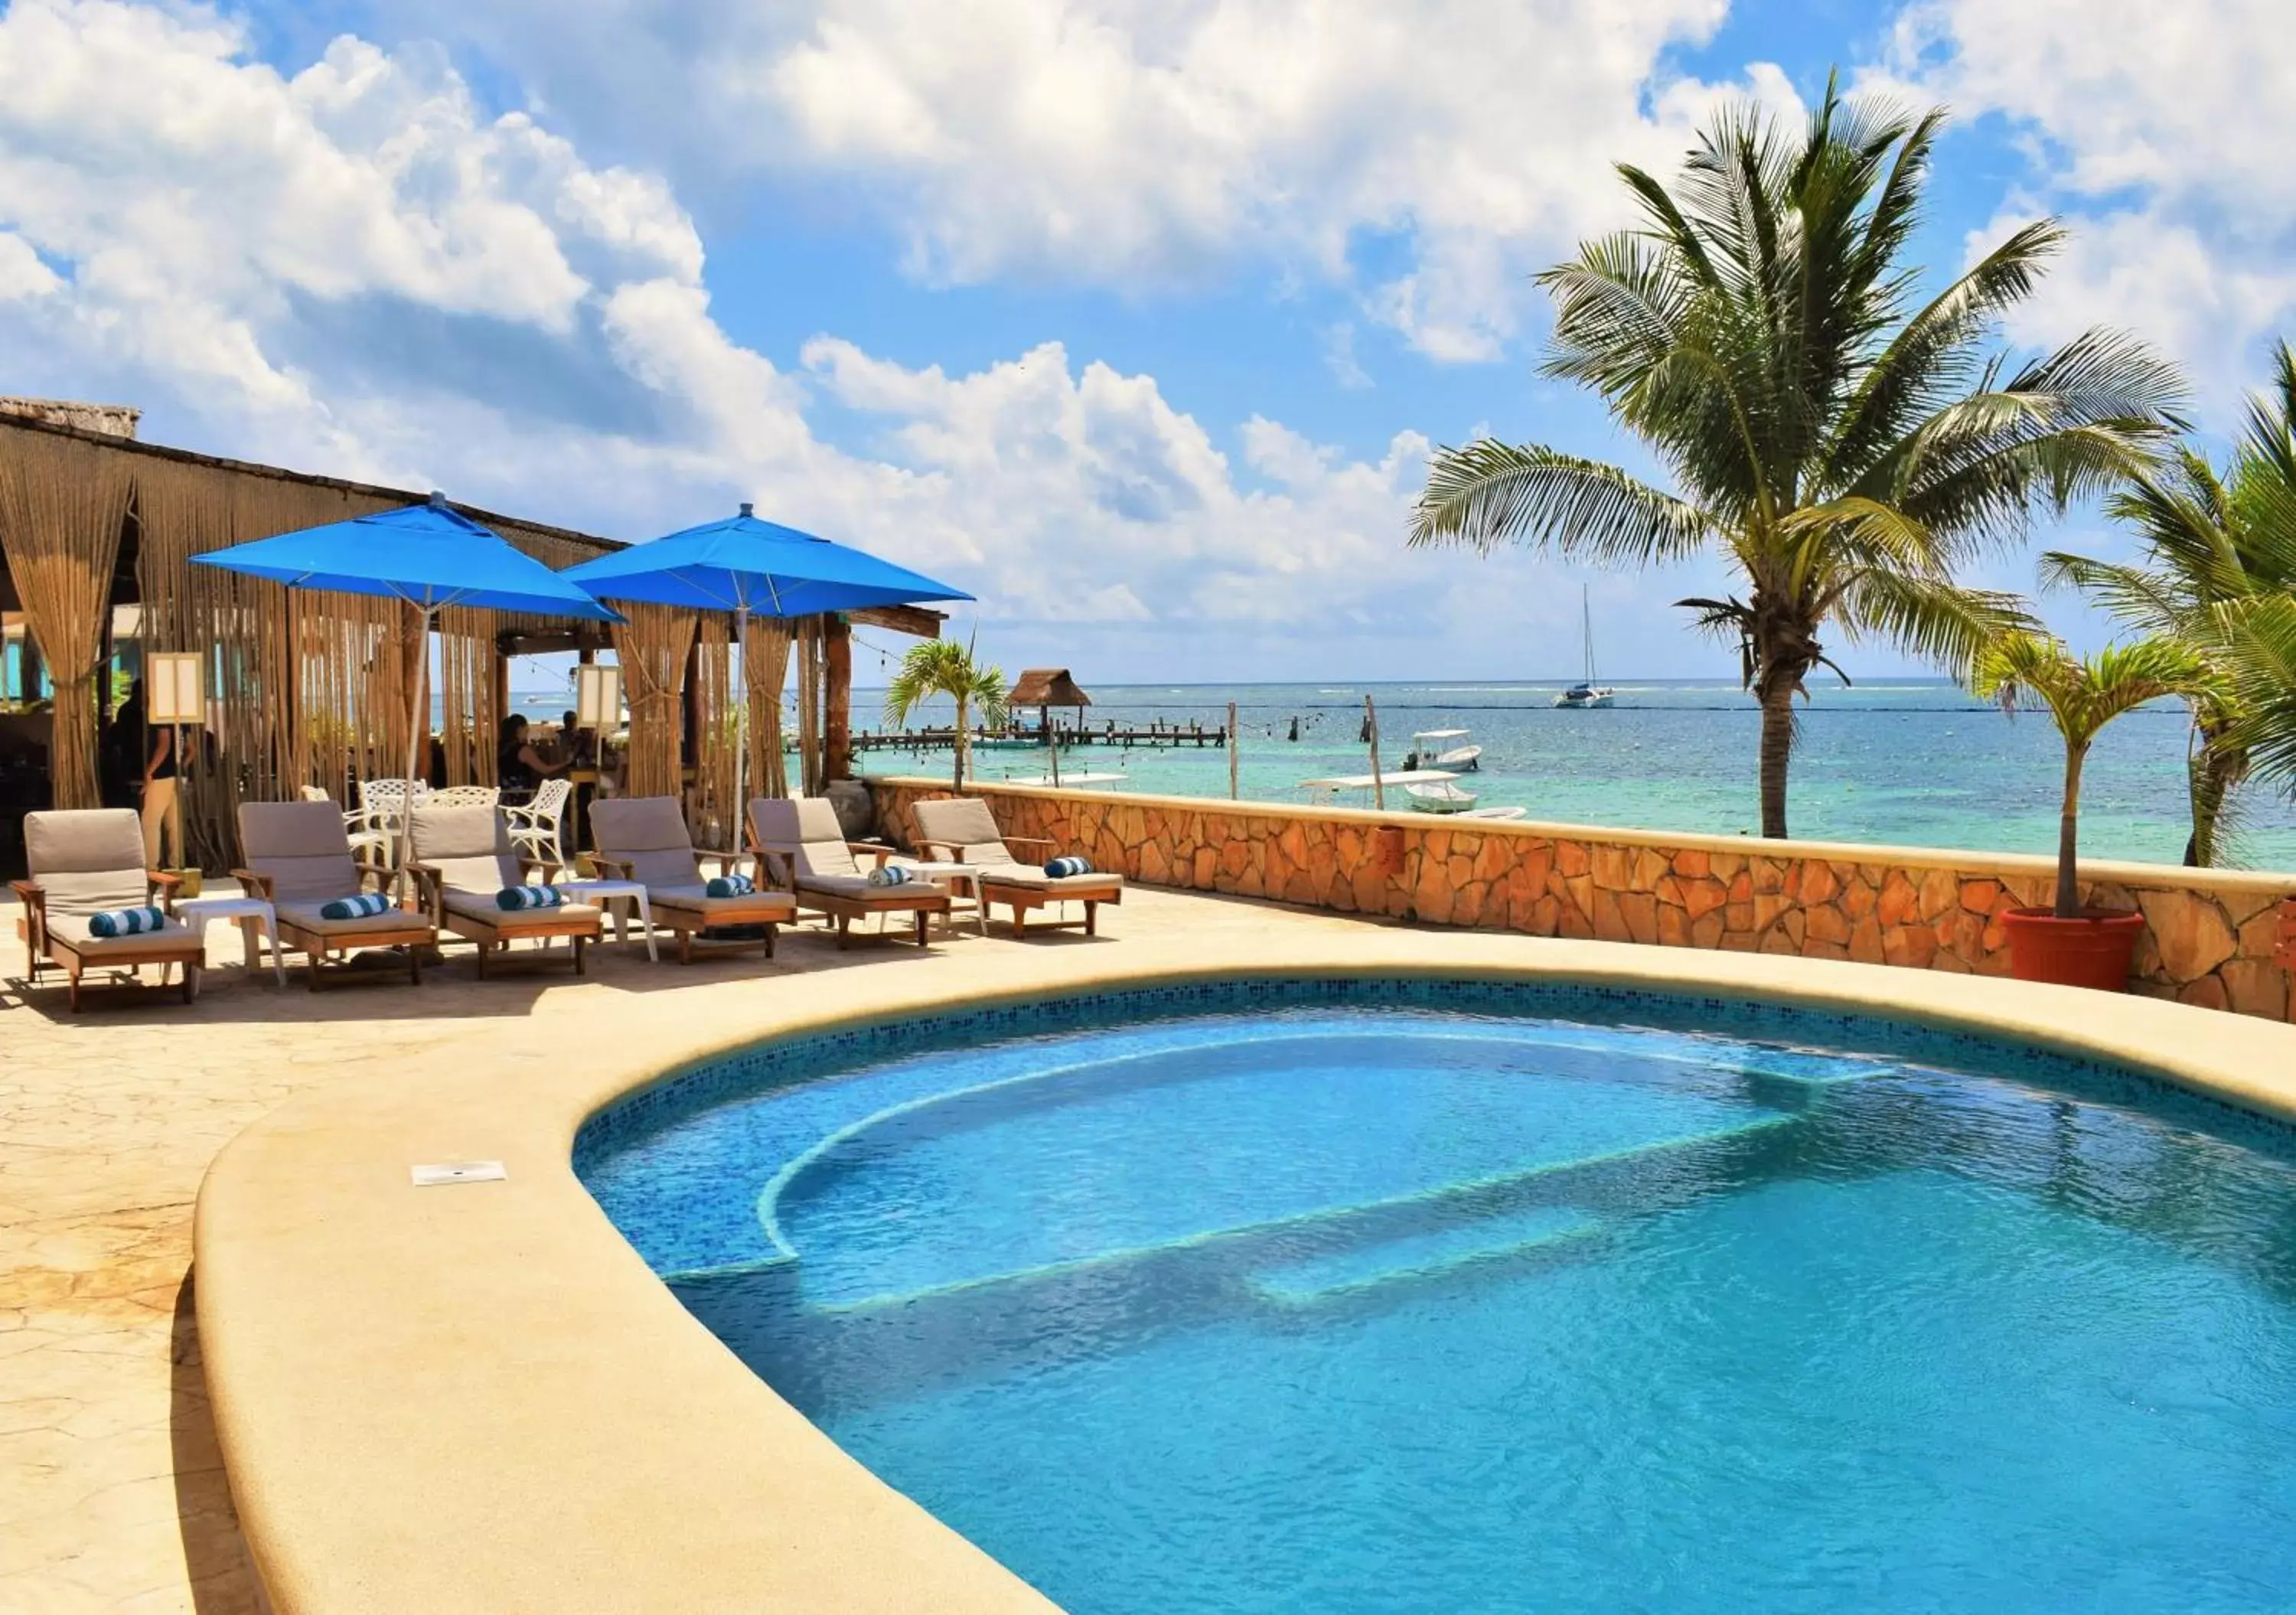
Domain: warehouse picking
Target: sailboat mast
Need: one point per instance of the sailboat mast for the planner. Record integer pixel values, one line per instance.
(1587, 634)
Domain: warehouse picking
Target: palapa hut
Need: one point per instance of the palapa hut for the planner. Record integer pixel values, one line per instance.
(97, 531)
(1045, 688)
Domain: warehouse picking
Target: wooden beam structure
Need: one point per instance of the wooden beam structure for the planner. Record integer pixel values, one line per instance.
(836, 698)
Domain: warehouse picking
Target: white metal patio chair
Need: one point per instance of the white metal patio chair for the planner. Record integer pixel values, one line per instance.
(537, 826)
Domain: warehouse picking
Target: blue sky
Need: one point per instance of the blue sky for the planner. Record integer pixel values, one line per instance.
(1136, 319)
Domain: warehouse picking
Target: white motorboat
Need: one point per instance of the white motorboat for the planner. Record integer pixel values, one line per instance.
(1446, 796)
(1431, 748)
(1587, 693)
(1496, 814)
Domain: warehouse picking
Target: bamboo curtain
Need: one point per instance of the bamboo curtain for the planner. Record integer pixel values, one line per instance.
(470, 720)
(652, 646)
(808, 704)
(62, 504)
(766, 670)
(717, 821)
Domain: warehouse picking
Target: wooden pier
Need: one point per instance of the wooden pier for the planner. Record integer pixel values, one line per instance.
(1156, 735)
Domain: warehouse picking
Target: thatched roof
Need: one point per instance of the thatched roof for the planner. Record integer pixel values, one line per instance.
(1045, 687)
(110, 420)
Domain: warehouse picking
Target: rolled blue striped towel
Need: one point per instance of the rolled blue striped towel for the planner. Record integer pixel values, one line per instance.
(354, 908)
(528, 897)
(1060, 869)
(890, 874)
(125, 921)
(731, 886)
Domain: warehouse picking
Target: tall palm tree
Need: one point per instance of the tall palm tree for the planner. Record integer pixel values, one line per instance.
(2213, 545)
(2083, 694)
(1842, 450)
(942, 667)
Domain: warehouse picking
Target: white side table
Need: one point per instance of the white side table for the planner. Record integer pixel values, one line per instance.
(958, 879)
(250, 912)
(604, 892)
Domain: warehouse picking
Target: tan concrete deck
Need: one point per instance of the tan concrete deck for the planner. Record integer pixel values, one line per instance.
(477, 1398)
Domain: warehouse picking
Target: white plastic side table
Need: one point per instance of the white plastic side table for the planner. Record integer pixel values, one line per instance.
(960, 880)
(605, 891)
(246, 911)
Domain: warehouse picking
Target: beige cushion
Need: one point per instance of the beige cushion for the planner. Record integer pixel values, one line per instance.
(807, 833)
(724, 910)
(468, 844)
(176, 937)
(965, 822)
(1035, 880)
(88, 860)
(302, 848)
(857, 888)
(648, 833)
(481, 906)
(306, 916)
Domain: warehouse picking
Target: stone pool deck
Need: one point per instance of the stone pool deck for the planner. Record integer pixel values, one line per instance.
(111, 1491)
(401, 1367)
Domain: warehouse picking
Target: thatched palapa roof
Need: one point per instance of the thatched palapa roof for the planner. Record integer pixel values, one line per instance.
(1045, 687)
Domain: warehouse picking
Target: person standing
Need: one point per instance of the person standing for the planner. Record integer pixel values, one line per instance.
(159, 786)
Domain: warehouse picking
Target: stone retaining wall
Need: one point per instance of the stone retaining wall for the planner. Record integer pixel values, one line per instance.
(2208, 937)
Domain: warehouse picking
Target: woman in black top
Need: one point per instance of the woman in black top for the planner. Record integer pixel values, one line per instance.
(519, 768)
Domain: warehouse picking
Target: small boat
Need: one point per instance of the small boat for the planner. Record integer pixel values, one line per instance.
(1446, 796)
(1587, 693)
(1428, 747)
(1496, 814)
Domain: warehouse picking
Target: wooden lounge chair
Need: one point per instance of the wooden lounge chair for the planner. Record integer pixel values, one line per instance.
(961, 829)
(82, 863)
(462, 859)
(644, 838)
(298, 860)
(801, 845)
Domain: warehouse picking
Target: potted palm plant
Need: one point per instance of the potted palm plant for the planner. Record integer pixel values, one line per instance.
(2066, 942)
(942, 667)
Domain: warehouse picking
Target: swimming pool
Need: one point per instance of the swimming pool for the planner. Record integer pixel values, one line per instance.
(1400, 1295)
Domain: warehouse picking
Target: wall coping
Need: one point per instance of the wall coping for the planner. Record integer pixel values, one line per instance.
(2277, 883)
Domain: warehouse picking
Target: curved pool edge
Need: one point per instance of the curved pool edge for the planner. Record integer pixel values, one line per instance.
(480, 1397)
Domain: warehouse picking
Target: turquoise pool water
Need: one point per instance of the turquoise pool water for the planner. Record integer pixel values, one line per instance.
(1398, 1296)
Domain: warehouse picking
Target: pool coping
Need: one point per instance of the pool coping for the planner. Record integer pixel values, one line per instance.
(480, 1396)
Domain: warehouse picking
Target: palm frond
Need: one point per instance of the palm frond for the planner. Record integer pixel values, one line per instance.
(1937, 621)
(1489, 493)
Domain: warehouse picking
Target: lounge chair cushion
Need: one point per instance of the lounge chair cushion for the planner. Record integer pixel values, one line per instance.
(301, 847)
(1037, 879)
(176, 936)
(757, 906)
(304, 915)
(860, 888)
(805, 830)
(648, 833)
(86, 860)
(468, 844)
(478, 906)
(966, 823)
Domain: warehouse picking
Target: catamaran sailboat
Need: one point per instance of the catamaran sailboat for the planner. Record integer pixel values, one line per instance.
(1587, 693)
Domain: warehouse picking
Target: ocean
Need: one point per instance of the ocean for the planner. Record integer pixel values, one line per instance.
(1906, 762)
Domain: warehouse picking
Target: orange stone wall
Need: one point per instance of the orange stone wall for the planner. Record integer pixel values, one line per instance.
(2209, 940)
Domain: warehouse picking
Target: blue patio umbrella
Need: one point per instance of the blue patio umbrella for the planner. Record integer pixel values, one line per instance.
(430, 555)
(752, 567)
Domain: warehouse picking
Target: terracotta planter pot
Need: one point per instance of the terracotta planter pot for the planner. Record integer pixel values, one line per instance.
(2091, 950)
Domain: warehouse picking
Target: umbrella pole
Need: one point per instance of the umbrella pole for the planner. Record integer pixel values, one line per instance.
(742, 736)
(414, 728)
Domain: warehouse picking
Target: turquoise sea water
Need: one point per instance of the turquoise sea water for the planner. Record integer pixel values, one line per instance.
(1908, 763)
(1413, 1305)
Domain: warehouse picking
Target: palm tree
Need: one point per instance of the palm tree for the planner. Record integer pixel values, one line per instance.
(2213, 545)
(2083, 694)
(942, 667)
(1843, 451)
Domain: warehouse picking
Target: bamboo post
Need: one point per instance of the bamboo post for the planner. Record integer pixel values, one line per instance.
(1231, 752)
(1378, 784)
